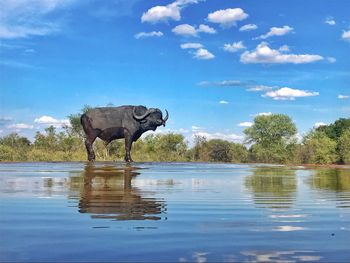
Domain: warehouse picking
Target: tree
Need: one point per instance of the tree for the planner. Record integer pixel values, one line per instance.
(75, 128)
(219, 151)
(336, 129)
(199, 152)
(171, 147)
(319, 148)
(48, 141)
(344, 146)
(272, 138)
(14, 147)
(239, 153)
(15, 141)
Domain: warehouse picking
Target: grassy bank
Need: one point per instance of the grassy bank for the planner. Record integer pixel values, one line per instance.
(271, 139)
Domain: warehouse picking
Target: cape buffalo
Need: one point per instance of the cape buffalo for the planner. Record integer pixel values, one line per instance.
(110, 123)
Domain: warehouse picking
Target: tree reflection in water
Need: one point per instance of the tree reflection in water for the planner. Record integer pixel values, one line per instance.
(273, 187)
(337, 180)
(107, 192)
(332, 184)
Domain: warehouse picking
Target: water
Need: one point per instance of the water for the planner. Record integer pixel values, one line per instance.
(173, 212)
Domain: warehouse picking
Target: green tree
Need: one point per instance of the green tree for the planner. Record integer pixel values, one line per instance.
(319, 148)
(14, 148)
(239, 153)
(8, 154)
(219, 151)
(335, 132)
(336, 129)
(272, 138)
(199, 152)
(344, 146)
(171, 147)
(48, 141)
(15, 141)
(75, 128)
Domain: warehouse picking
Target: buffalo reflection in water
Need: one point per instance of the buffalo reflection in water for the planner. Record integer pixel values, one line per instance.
(273, 187)
(107, 192)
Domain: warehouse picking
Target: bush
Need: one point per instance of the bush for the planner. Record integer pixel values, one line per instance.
(7, 153)
(319, 148)
(219, 151)
(344, 146)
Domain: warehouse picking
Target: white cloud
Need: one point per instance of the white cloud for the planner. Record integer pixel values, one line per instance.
(227, 17)
(203, 54)
(245, 124)
(198, 53)
(276, 31)
(223, 83)
(188, 30)
(289, 94)
(318, 124)
(9, 31)
(171, 11)
(20, 19)
(330, 21)
(182, 130)
(51, 121)
(248, 27)
(284, 48)
(4, 121)
(20, 126)
(29, 51)
(223, 102)
(218, 135)
(264, 54)
(343, 97)
(263, 114)
(206, 29)
(346, 35)
(196, 128)
(191, 45)
(331, 59)
(260, 88)
(166, 131)
(161, 14)
(299, 137)
(148, 34)
(234, 47)
(185, 30)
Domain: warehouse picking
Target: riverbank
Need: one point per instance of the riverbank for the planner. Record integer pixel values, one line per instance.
(331, 166)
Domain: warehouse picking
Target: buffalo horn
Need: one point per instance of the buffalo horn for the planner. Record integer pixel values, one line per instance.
(166, 116)
(141, 117)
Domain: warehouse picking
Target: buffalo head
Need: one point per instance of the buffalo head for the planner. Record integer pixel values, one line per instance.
(152, 118)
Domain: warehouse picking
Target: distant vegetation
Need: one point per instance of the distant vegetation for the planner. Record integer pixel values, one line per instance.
(271, 139)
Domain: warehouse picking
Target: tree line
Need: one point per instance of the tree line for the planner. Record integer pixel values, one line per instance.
(271, 139)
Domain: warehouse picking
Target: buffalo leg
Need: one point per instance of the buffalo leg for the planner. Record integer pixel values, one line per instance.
(128, 144)
(88, 144)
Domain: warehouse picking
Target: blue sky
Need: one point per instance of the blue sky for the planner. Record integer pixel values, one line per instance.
(214, 65)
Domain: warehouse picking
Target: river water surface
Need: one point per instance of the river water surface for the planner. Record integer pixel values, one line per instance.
(179, 212)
